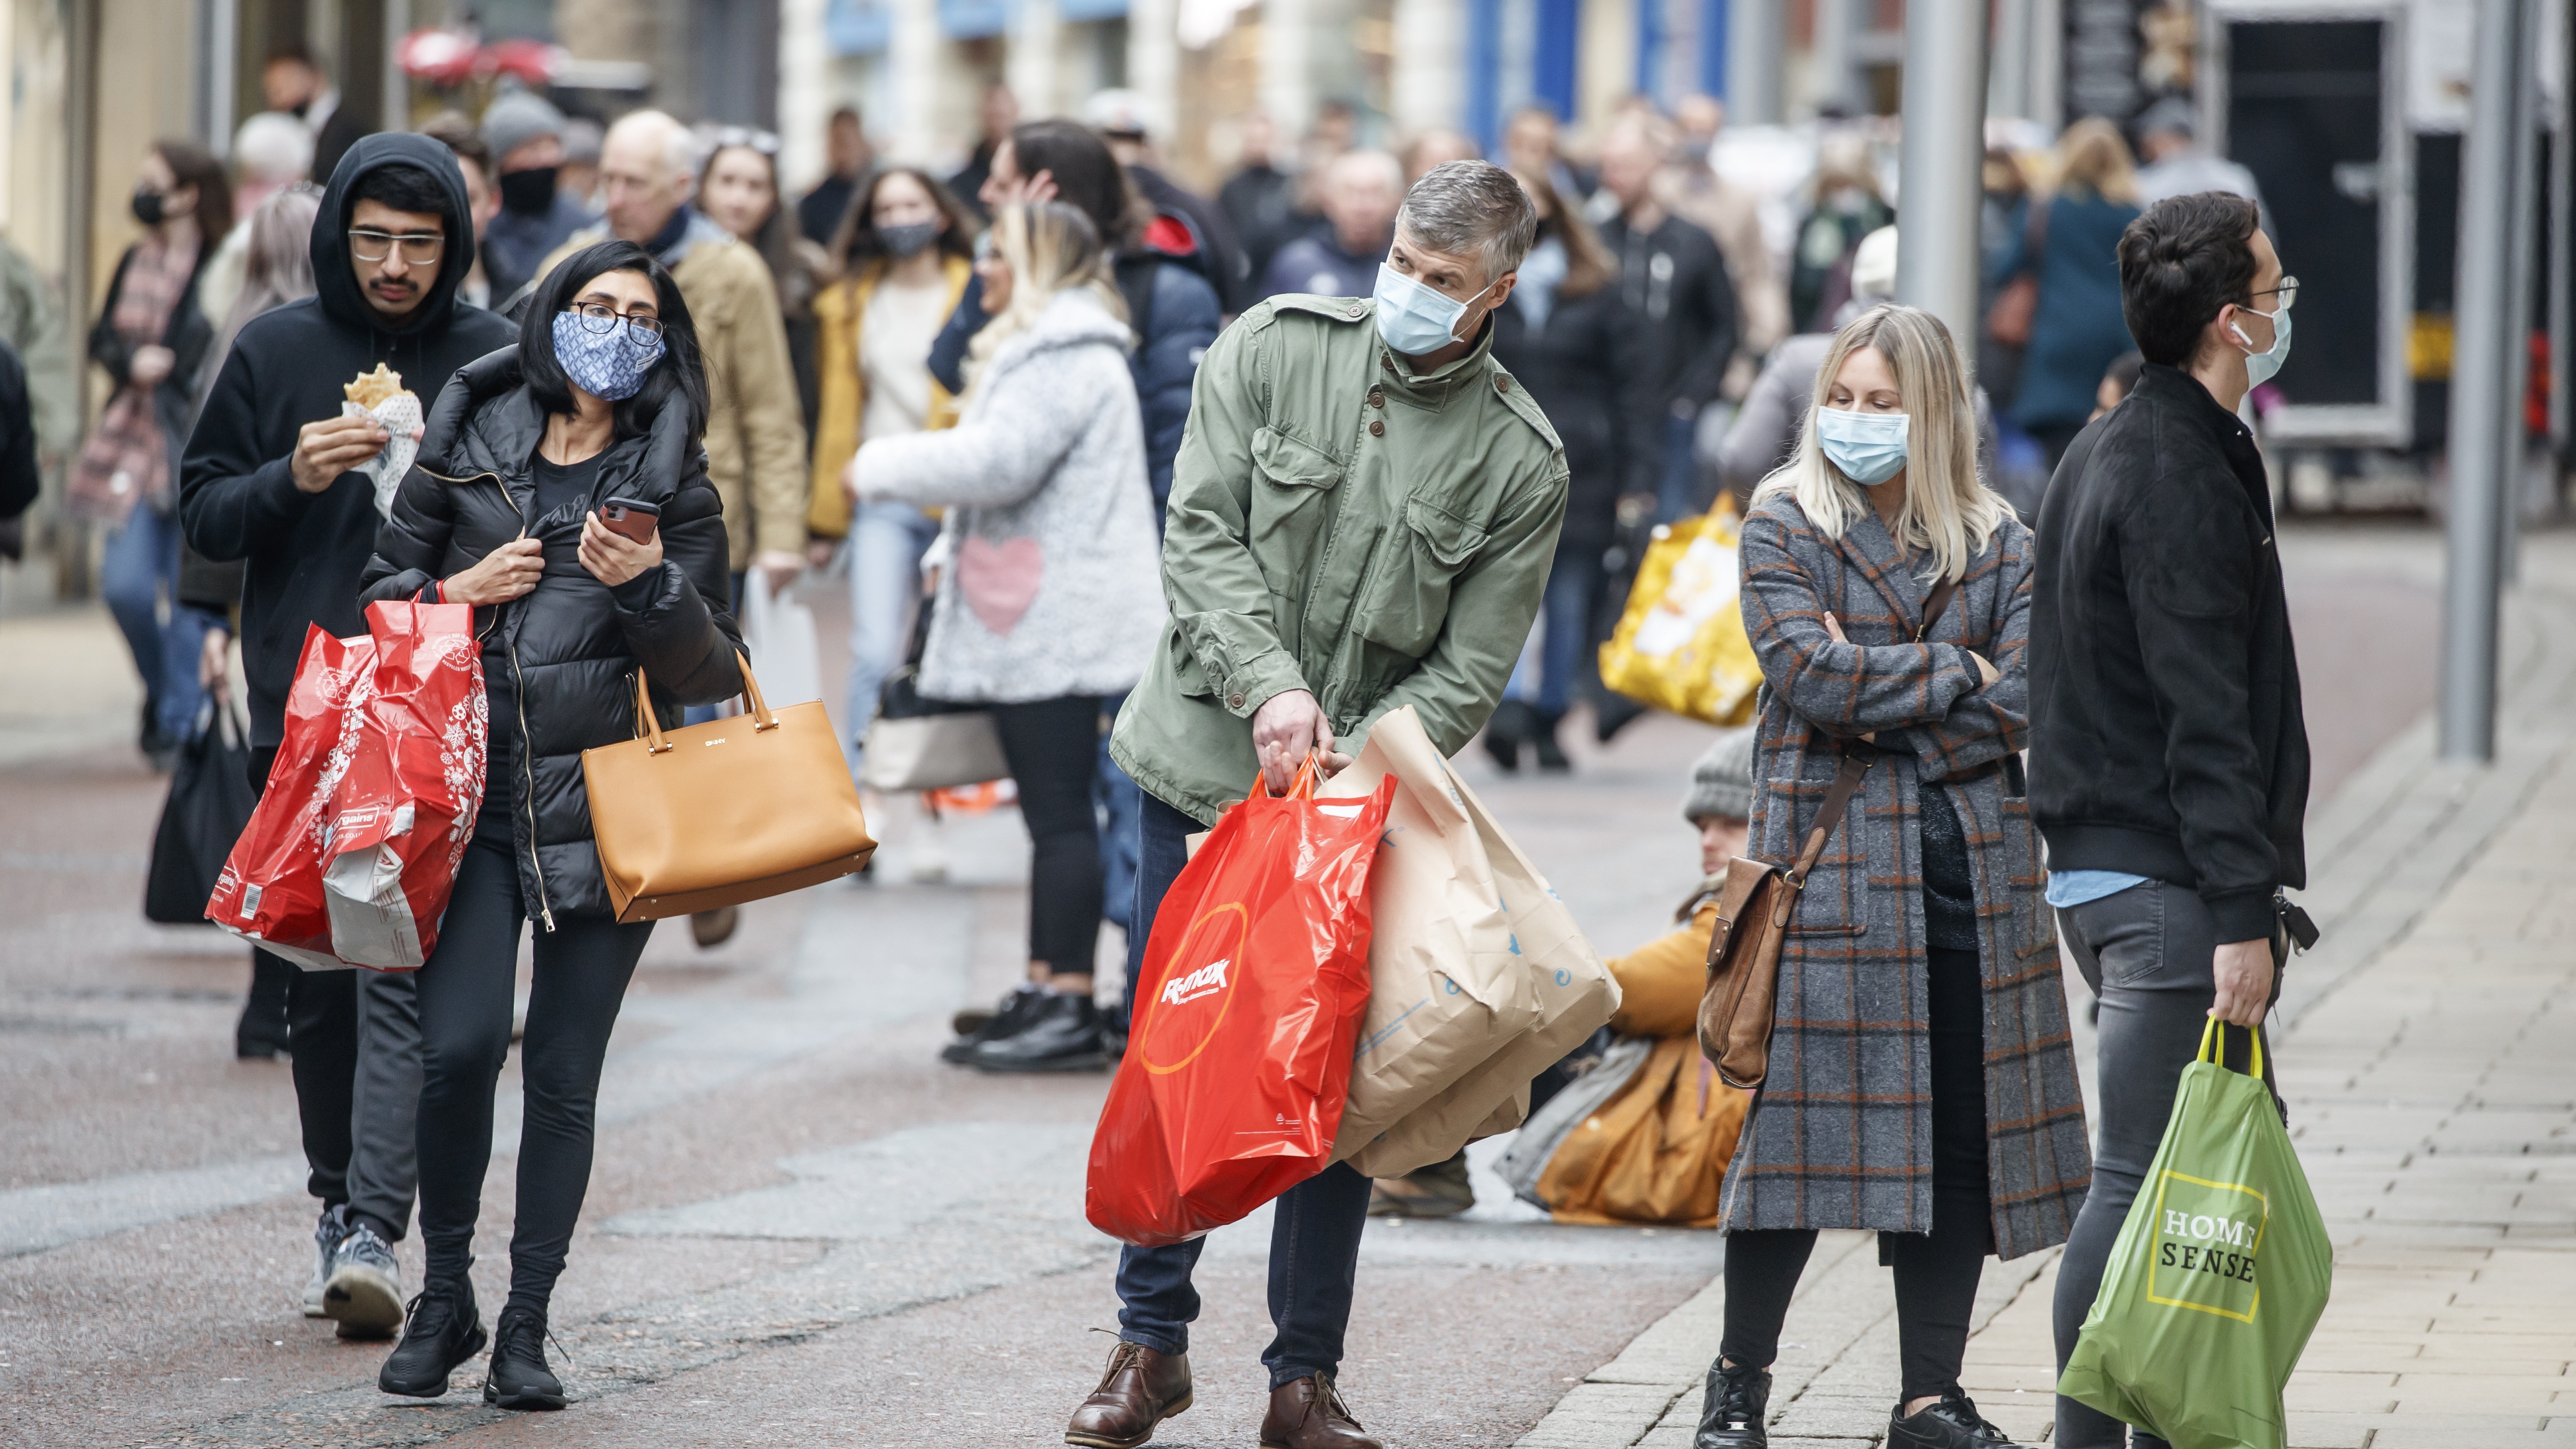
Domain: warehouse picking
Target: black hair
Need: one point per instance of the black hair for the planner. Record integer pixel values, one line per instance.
(1086, 176)
(855, 242)
(2124, 371)
(192, 165)
(2182, 260)
(404, 188)
(681, 377)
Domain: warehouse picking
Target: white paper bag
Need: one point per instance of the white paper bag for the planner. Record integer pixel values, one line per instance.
(779, 633)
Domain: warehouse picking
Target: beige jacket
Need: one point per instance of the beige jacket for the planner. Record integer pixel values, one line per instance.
(755, 425)
(1733, 215)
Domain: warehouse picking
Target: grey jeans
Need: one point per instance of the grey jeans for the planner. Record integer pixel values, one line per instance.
(2148, 951)
(384, 1101)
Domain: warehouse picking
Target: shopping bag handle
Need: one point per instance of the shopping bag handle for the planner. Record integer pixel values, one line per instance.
(1300, 788)
(2213, 1045)
(648, 727)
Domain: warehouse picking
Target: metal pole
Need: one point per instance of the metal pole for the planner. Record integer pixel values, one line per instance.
(2562, 264)
(1756, 52)
(1829, 56)
(2466, 713)
(2008, 90)
(2515, 440)
(1942, 163)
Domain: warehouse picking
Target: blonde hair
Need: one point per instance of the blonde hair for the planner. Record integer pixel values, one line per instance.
(1048, 246)
(1948, 509)
(2097, 160)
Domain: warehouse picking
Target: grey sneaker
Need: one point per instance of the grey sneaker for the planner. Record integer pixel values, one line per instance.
(326, 1241)
(365, 1288)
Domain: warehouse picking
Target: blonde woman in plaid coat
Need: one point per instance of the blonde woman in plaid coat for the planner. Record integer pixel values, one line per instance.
(1921, 1080)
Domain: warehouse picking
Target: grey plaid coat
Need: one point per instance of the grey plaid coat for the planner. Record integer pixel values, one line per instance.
(1841, 1136)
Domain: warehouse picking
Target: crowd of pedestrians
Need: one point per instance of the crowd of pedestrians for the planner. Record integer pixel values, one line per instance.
(1186, 491)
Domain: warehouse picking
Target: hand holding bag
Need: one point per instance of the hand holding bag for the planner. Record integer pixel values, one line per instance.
(1754, 909)
(720, 813)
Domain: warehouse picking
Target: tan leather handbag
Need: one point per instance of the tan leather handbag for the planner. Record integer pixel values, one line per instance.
(1754, 908)
(725, 812)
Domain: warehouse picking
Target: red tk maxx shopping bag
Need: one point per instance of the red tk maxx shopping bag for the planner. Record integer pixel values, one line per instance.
(270, 891)
(1256, 977)
(403, 811)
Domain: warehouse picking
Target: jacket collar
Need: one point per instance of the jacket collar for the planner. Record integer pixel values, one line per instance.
(2178, 395)
(1873, 550)
(1433, 391)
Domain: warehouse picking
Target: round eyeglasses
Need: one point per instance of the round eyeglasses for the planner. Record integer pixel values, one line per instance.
(643, 330)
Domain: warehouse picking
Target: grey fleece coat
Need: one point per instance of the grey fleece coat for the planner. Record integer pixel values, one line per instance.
(1841, 1135)
(1051, 585)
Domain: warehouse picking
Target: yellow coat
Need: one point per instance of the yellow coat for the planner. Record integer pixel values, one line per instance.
(837, 313)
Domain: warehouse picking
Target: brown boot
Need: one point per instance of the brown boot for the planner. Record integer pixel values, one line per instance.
(1308, 1413)
(1141, 1389)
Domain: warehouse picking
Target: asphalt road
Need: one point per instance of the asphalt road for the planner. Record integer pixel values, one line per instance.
(802, 1228)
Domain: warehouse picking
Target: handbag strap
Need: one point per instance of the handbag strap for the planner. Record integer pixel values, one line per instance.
(1857, 758)
(648, 726)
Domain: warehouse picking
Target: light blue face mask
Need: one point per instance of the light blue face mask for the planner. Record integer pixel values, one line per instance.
(2261, 367)
(1413, 318)
(1868, 447)
(610, 364)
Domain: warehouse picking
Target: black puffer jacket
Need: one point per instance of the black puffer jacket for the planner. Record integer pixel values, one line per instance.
(559, 664)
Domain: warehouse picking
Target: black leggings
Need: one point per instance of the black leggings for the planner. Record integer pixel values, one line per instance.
(1053, 746)
(1936, 1272)
(582, 969)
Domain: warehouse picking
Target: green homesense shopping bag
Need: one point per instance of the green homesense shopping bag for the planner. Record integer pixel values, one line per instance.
(2219, 1275)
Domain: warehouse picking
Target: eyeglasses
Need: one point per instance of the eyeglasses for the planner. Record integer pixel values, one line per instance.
(419, 249)
(641, 329)
(2287, 292)
(764, 142)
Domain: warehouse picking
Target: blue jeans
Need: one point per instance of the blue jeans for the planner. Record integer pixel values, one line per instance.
(1117, 799)
(140, 569)
(887, 541)
(1553, 662)
(1315, 1226)
(1677, 492)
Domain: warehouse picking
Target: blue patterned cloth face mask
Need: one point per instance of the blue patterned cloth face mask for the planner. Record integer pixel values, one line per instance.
(1868, 447)
(1412, 318)
(611, 365)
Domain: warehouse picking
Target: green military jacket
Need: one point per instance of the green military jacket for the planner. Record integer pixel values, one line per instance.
(1341, 525)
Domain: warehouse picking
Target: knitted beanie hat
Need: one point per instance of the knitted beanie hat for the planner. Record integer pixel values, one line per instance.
(1722, 781)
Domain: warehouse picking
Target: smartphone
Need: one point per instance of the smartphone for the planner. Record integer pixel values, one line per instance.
(631, 517)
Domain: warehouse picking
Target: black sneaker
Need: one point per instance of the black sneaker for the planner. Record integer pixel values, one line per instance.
(518, 1377)
(1061, 1034)
(443, 1331)
(1952, 1423)
(974, 1026)
(1551, 755)
(1731, 1415)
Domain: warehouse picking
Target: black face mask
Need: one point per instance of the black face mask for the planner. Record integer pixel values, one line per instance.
(529, 193)
(150, 206)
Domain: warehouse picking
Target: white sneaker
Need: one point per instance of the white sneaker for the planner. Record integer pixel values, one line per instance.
(326, 1241)
(365, 1288)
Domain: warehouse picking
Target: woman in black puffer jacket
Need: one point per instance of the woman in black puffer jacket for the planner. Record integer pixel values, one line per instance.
(603, 398)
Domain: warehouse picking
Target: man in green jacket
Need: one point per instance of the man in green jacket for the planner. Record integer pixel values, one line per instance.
(1362, 517)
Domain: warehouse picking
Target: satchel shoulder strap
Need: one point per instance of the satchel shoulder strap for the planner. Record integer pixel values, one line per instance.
(1858, 756)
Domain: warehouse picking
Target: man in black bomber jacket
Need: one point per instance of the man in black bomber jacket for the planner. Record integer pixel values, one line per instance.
(2168, 755)
(265, 480)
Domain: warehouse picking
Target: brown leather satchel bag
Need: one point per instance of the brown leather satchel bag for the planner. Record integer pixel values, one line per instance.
(1754, 909)
(720, 813)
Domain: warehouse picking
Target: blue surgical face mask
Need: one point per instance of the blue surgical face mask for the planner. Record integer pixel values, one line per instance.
(1868, 447)
(2260, 367)
(610, 364)
(1413, 318)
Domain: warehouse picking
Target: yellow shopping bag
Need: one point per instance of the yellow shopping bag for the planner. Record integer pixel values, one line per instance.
(1680, 644)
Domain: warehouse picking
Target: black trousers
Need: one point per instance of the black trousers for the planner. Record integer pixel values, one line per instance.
(583, 966)
(350, 1097)
(1053, 746)
(1936, 1272)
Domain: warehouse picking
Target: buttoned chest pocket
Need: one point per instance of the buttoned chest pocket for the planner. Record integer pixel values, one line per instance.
(1287, 505)
(1422, 558)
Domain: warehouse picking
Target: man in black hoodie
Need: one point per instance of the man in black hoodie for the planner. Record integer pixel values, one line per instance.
(266, 480)
(2168, 754)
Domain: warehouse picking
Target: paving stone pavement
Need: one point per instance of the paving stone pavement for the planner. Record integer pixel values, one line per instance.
(2425, 1052)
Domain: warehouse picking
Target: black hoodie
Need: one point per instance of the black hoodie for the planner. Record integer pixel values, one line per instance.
(237, 499)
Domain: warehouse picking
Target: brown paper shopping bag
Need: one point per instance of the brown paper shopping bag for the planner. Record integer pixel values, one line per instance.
(1445, 990)
(1576, 996)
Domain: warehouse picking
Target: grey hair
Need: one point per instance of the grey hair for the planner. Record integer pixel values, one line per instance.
(679, 143)
(1471, 206)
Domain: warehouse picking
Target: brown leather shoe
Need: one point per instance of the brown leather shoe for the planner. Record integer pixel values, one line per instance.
(1141, 1389)
(1308, 1413)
